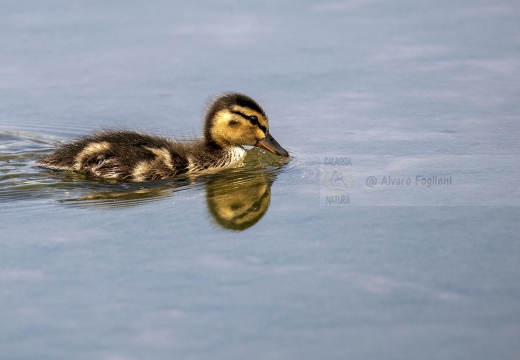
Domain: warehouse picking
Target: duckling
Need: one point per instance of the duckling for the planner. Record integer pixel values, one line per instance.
(232, 120)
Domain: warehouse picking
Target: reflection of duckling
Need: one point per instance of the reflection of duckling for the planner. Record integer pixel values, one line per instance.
(240, 202)
(232, 120)
(236, 199)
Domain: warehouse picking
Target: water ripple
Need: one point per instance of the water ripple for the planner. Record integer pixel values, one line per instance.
(21, 180)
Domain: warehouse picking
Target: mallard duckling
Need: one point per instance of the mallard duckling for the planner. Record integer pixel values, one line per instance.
(232, 120)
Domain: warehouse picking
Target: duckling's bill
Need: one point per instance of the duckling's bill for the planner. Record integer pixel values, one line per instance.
(271, 145)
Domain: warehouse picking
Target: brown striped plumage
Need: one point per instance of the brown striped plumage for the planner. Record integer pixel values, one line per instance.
(232, 120)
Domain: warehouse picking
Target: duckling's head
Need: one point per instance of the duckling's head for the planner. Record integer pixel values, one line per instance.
(236, 119)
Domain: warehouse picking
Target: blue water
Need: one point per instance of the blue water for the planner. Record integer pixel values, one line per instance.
(92, 270)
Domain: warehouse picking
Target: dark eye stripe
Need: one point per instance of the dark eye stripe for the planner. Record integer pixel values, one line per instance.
(252, 119)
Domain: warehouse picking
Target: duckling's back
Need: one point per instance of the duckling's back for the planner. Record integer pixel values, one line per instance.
(125, 155)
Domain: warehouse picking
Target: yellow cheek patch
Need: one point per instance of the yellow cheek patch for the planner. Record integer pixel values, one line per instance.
(244, 131)
(219, 130)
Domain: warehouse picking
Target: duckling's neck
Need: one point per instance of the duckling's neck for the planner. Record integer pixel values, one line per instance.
(214, 156)
(231, 152)
(211, 145)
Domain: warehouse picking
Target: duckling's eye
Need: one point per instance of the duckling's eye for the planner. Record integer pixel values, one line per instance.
(253, 119)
